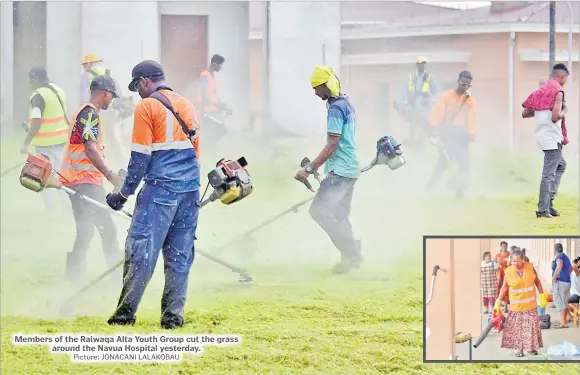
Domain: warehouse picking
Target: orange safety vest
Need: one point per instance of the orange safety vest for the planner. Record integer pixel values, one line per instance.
(522, 291)
(209, 103)
(76, 165)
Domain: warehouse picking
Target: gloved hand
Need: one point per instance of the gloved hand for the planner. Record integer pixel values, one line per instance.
(543, 301)
(116, 201)
(497, 306)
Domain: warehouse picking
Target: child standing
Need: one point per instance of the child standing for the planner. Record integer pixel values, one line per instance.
(488, 282)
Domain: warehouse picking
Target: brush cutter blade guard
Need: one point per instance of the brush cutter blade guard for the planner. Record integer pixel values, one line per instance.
(36, 173)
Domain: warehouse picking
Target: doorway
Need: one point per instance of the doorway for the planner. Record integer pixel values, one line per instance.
(184, 51)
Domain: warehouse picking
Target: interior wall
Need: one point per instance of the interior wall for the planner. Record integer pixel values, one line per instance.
(439, 314)
(467, 285)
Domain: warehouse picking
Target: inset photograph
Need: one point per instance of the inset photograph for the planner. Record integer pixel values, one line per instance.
(494, 299)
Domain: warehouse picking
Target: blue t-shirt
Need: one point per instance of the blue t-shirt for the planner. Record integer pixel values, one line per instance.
(341, 120)
(564, 275)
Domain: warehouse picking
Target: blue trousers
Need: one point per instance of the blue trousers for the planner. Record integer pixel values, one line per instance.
(161, 220)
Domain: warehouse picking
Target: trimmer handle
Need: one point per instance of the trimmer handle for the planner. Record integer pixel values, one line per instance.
(315, 173)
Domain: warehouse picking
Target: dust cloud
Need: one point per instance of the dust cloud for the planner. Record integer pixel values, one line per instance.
(391, 210)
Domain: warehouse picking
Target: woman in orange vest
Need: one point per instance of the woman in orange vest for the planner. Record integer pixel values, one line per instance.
(522, 325)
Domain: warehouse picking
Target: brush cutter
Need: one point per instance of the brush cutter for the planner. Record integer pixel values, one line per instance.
(269, 221)
(389, 152)
(230, 180)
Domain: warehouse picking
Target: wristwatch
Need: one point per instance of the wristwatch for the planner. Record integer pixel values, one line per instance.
(308, 169)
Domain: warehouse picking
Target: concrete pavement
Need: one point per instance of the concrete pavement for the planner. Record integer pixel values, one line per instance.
(491, 349)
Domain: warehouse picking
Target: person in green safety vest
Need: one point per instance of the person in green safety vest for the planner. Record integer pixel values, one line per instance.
(48, 127)
(416, 100)
(92, 67)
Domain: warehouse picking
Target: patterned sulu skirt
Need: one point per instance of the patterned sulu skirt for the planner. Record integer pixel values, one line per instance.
(522, 331)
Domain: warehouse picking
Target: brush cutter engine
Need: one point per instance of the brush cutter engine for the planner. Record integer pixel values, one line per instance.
(36, 173)
(389, 153)
(230, 180)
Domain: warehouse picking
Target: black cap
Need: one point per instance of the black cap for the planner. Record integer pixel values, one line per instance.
(146, 69)
(38, 73)
(104, 83)
(466, 75)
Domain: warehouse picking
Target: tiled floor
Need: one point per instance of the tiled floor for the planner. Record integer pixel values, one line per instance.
(491, 349)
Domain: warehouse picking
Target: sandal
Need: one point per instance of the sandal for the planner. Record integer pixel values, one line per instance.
(533, 352)
(560, 326)
(519, 354)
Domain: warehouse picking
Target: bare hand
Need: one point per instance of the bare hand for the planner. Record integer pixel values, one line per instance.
(301, 175)
(566, 141)
(115, 179)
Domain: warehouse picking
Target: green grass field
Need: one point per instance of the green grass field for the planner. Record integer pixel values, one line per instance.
(295, 317)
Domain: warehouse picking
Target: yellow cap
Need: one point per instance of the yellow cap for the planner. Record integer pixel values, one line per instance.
(91, 58)
(421, 59)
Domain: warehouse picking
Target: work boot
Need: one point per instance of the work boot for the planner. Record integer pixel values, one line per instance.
(544, 214)
(171, 323)
(121, 320)
(346, 265)
(553, 210)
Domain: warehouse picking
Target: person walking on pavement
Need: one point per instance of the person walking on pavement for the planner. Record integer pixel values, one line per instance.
(455, 119)
(548, 106)
(164, 151)
(331, 205)
(83, 169)
(93, 67)
(416, 100)
(47, 127)
(213, 110)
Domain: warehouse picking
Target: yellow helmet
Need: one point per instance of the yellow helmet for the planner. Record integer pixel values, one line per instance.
(91, 58)
(421, 59)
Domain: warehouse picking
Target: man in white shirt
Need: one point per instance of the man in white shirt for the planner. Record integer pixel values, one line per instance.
(549, 135)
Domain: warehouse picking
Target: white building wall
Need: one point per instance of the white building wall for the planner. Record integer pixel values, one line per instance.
(6, 68)
(132, 33)
(302, 35)
(228, 30)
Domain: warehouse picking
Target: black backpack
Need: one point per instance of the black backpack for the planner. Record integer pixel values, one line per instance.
(545, 321)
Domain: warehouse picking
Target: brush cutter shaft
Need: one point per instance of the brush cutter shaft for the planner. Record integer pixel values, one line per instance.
(91, 201)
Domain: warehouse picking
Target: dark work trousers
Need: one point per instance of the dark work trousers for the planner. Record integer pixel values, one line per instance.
(162, 221)
(554, 168)
(455, 148)
(213, 129)
(87, 218)
(331, 209)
